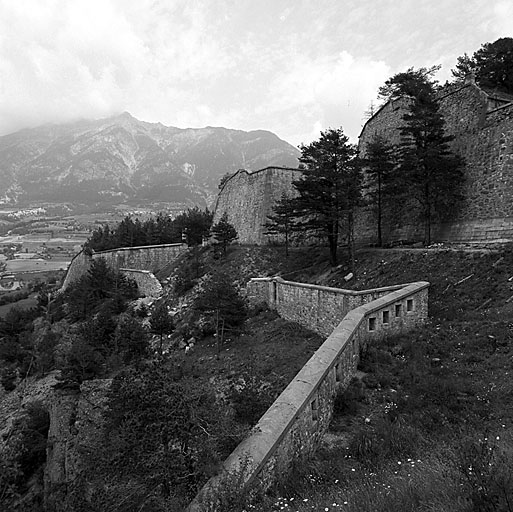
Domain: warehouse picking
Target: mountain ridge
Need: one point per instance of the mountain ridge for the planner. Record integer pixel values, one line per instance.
(120, 158)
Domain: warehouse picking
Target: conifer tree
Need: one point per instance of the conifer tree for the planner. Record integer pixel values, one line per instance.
(380, 165)
(430, 173)
(282, 220)
(330, 189)
(224, 232)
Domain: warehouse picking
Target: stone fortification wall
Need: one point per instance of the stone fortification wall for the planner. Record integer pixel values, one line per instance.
(320, 308)
(248, 198)
(483, 136)
(78, 266)
(146, 257)
(149, 257)
(293, 426)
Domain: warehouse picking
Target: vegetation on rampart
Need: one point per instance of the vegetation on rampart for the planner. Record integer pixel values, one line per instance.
(191, 227)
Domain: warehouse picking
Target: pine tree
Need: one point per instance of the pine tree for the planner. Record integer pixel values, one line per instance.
(380, 165)
(330, 189)
(492, 65)
(430, 174)
(282, 220)
(224, 232)
(160, 322)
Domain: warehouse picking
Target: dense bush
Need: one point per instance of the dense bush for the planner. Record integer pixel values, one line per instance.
(23, 455)
(164, 434)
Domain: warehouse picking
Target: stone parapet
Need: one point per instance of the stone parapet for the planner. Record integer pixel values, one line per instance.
(294, 424)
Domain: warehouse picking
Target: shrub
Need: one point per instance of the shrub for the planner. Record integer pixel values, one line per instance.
(348, 402)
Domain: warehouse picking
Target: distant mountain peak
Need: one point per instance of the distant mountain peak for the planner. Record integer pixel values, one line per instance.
(92, 161)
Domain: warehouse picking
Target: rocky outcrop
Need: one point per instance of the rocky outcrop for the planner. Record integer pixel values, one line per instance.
(76, 420)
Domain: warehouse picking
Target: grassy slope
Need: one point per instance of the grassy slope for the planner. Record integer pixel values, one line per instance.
(432, 406)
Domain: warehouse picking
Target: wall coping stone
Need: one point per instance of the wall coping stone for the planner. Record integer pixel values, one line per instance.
(160, 246)
(330, 289)
(251, 173)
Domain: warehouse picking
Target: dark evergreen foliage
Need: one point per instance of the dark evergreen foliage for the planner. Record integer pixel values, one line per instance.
(161, 322)
(382, 182)
(283, 220)
(158, 444)
(492, 65)
(330, 189)
(100, 288)
(221, 300)
(429, 172)
(190, 226)
(224, 232)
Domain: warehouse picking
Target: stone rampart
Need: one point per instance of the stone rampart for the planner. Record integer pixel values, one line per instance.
(482, 127)
(248, 198)
(294, 424)
(145, 257)
(77, 267)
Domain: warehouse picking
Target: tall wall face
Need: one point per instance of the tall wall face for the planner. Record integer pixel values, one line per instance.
(484, 138)
(248, 198)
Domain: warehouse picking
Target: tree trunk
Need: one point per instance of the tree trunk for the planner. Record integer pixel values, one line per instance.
(332, 241)
(380, 237)
(350, 242)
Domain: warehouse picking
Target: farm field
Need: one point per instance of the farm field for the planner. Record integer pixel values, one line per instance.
(36, 265)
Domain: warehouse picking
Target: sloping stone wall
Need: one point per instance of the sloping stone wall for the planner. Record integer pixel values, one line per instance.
(147, 257)
(248, 198)
(78, 266)
(293, 426)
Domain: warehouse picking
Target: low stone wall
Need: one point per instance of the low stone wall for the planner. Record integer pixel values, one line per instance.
(293, 426)
(147, 284)
(319, 308)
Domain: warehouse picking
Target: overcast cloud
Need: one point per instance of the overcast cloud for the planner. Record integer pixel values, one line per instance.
(290, 66)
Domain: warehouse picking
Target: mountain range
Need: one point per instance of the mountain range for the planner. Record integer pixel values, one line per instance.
(121, 159)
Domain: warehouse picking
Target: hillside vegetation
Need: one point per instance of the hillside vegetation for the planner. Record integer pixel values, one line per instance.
(427, 425)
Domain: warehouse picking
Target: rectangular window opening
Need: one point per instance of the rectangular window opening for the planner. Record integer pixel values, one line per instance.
(372, 324)
(337, 372)
(386, 317)
(315, 411)
(409, 305)
(398, 308)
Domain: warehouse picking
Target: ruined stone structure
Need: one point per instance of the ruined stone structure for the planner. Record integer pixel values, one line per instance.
(248, 198)
(482, 125)
(294, 424)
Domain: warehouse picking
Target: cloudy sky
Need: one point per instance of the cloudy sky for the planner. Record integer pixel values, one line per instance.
(294, 67)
